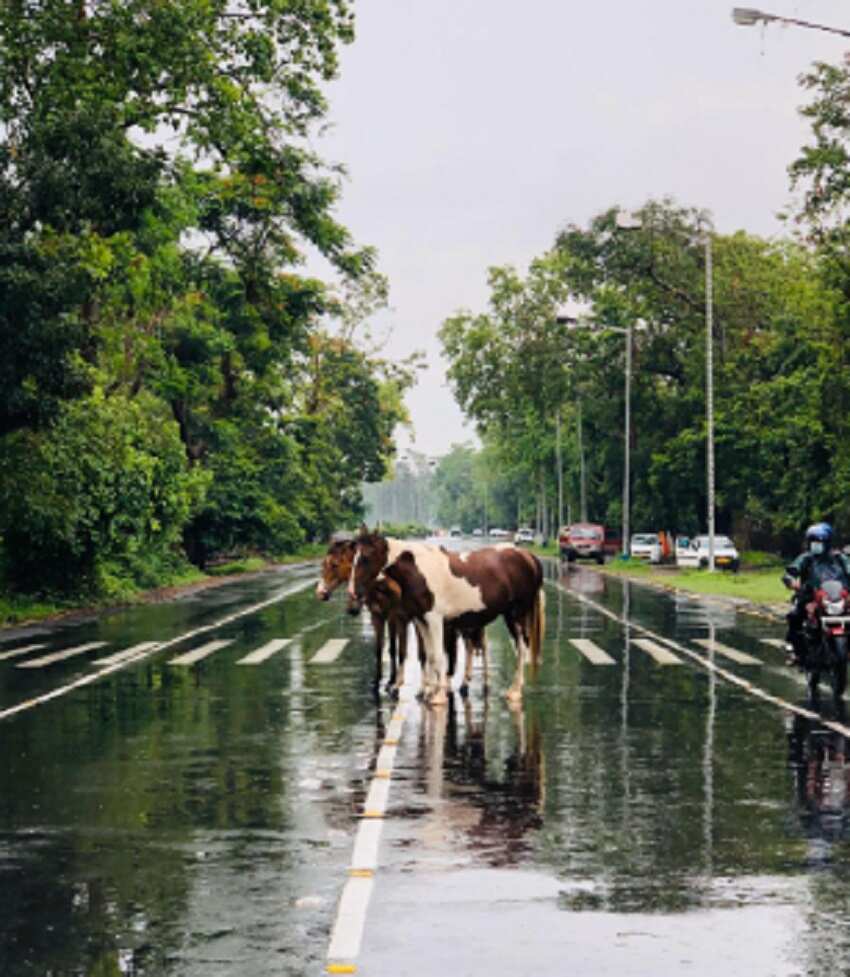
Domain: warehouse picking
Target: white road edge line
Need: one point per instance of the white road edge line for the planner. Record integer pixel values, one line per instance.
(97, 676)
(730, 677)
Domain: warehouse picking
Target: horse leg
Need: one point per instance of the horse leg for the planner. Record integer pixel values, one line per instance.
(392, 625)
(378, 623)
(402, 655)
(469, 647)
(436, 673)
(485, 654)
(514, 693)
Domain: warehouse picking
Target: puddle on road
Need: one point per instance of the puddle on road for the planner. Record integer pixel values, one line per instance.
(199, 822)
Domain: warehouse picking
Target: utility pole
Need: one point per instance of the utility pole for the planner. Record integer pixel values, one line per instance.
(582, 470)
(709, 393)
(628, 446)
(560, 467)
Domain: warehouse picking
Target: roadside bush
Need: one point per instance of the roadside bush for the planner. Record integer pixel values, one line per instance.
(96, 503)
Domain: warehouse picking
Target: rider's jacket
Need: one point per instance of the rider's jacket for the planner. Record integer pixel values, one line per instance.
(813, 571)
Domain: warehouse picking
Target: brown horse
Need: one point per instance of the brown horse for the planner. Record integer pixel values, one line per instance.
(465, 590)
(384, 604)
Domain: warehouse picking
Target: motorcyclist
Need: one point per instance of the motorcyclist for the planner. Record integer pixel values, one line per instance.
(813, 567)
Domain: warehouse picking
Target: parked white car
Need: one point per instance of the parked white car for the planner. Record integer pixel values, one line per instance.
(524, 535)
(645, 546)
(499, 533)
(694, 552)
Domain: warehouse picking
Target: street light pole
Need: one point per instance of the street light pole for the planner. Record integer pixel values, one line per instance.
(709, 393)
(628, 446)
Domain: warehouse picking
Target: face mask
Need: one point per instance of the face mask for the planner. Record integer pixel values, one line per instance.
(816, 547)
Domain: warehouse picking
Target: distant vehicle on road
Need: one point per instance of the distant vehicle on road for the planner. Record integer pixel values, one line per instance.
(524, 535)
(455, 531)
(477, 532)
(694, 552)
(588, 541)
(499, 534)
(645, 546)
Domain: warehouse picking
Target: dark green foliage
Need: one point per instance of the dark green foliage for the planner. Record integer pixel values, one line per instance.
(100, 495)
(156, 190)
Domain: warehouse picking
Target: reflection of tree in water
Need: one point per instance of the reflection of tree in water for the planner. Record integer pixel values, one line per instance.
(491, 786)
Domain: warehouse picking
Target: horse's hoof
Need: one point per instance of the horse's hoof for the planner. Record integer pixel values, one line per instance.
(464, 690)
(420, 696)
(394, 691)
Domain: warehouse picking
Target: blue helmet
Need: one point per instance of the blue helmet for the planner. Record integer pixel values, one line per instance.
(820, 532)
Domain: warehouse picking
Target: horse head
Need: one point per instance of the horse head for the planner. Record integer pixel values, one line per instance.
(336, 568)
(370, 558)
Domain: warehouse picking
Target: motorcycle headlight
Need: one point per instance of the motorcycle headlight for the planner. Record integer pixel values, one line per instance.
(836, 608)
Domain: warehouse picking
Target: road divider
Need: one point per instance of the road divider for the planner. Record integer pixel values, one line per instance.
(350, 922)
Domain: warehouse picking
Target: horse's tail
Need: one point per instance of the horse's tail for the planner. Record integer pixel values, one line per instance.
(538, 626)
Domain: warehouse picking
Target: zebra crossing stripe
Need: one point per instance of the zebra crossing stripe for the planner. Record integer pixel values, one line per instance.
(59, 656)
(774, 643)
(732, 653)
(329, 652)
(661, 655)
(592, 652)
(198, 653)
(15, 652)
(265, 652)
(126, 654)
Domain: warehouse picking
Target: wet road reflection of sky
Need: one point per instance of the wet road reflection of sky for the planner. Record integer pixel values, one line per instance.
(629, 818)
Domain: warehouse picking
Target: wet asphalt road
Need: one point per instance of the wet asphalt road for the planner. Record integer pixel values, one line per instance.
(630, 818)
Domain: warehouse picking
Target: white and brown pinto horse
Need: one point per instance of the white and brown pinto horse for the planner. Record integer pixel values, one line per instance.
(383, 601)
(463, 590)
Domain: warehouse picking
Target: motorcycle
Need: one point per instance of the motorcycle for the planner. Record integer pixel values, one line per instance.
(826, 632)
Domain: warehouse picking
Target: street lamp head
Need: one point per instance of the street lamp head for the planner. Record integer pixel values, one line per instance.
(749, 17)
(627, 222)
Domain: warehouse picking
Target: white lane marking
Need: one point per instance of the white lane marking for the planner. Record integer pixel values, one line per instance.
(736, 656)
(347, 933)
(199, 653)
(265, 652)
(126, 654)
(386, 760)
(774, 643)
(661, 655)
(592, 652)
(364, 858)
(703, 662)
(15, 652)
(59, 656)
(329, 652)
(40, 700)
(350, 922)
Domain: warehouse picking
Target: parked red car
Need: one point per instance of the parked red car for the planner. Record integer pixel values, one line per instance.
(588, 541)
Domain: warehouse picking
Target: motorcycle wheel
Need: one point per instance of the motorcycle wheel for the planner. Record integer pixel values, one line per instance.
(839, 665)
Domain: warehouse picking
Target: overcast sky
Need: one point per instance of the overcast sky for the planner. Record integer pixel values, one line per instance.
(473, 129)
